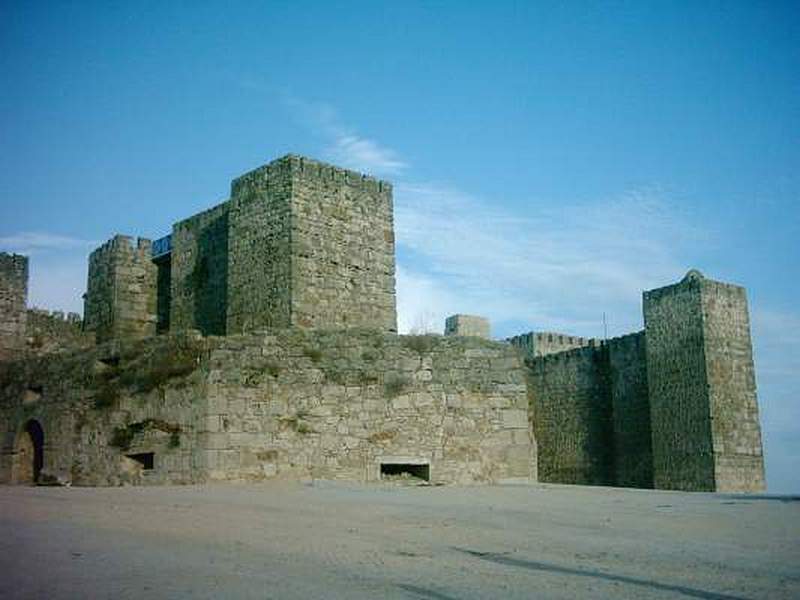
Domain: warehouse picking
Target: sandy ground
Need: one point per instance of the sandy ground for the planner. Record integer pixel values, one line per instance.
(332, 540)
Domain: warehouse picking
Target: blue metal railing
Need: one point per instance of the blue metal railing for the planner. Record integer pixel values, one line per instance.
(161, 246)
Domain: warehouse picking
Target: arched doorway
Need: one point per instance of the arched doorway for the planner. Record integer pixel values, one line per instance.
(28, 454)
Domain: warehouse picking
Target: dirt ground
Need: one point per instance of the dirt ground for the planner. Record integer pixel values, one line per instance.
(333, 540)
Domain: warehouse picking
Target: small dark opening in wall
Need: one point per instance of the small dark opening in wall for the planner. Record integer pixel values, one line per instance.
(403, 471)
(144, 458)
(35, 389)
(111, 361)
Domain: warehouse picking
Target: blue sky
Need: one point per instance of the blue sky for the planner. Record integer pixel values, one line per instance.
(550, 162)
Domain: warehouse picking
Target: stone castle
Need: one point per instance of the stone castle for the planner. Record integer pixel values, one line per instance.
(259, 340)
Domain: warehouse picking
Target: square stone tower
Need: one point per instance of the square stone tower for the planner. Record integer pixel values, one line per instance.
(13, 303)
(468, 325)
(310, 245)
(704, 413)
(120, 296)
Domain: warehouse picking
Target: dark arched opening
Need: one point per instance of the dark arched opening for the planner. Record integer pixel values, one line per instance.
(29, 453)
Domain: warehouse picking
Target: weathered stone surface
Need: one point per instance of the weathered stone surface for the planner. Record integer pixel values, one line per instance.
(312, 246)
(325, 404)
(702, 387)
(198, 272)
(468, 325)
(537, 343)
(121, 290)
(571, 410)
(13, 298)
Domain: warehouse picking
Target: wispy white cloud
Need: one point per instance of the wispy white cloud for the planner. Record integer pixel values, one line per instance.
(343, 145)
(37, 242)
(553, 268)
(559, 268)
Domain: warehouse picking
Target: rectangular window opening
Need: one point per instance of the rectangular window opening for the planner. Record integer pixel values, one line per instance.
(405, 471)
(146, 459)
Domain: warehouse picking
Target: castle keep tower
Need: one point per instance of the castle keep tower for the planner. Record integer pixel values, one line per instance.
(13, 303)
(701, 381)
(310, 245)
(120, 296)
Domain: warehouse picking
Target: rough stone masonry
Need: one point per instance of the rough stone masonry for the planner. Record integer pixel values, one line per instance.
(258, 340)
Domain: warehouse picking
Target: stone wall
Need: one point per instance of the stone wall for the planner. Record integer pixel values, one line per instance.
(98, 407)
(13, 303)
(571, 409)
(121, 290)
(284, 403)
(339, 404)
(735, 429)
(627, 368)
(678, 387)
(537, 343)
(199, 272)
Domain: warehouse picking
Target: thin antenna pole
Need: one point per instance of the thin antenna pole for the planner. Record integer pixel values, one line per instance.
(605, 327)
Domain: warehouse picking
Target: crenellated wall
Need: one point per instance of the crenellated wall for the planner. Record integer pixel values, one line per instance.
(13, 303)
(120, 296)
(48, 332)
(541, 343)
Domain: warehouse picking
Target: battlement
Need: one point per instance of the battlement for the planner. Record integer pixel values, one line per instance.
(307, 169)
(301, 167)
(541, 343)
(137, 248)
(51, 331)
